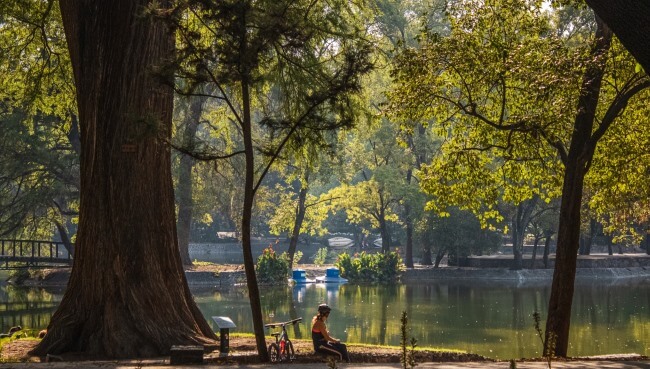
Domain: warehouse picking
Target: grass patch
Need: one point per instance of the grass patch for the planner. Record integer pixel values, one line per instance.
(359, 345)
(419, 348)
(202, 263)
(242, 335)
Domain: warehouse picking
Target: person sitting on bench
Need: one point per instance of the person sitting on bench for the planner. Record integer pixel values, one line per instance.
(323, 342)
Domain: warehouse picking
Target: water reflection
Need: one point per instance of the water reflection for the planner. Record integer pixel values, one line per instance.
(490, 319)
(27, 307)
(494, 321)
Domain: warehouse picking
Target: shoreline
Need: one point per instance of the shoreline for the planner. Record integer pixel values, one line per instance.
(221, 276)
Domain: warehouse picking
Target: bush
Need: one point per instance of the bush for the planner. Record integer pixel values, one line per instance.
(321, 256)
(374, 268)
(296, 256)
(272, 267)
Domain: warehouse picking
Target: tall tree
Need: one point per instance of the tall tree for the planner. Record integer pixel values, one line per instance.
(498, 79)
(298, 210)
(127, 295)
(394, 20)
(285, 72)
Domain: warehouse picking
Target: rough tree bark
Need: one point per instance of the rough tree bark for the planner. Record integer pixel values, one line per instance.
(184, 189)
(127, 295)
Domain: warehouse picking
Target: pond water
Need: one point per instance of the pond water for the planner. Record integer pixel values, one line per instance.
(489, 319)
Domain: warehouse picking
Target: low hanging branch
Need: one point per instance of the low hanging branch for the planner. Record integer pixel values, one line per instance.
(203, 156)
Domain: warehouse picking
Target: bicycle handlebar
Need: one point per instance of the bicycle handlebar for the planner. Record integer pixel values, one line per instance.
(282, 324)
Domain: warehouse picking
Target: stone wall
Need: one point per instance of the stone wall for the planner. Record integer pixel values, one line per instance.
(584, 261)
(530, 275)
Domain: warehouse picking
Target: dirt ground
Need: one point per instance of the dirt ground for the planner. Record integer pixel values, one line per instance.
(243, 351)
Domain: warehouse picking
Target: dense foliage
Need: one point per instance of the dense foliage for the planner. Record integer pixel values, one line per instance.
(370, 267)
(39, 154)
(272, 267)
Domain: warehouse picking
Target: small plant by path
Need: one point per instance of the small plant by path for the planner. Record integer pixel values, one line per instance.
(549, 349)
(407, 357)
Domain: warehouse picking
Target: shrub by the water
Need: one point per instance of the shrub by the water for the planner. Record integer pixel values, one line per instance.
(272, 267)
(374, 268)
(321, 256)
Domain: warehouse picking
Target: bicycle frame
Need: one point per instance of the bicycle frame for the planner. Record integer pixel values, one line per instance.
(282, 348)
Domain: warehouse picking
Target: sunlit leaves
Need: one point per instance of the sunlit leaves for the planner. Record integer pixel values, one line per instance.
(38, 158)
(283, 217)
(498, 89)
(619, 178)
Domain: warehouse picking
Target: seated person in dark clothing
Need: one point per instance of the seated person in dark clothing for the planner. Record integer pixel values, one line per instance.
(323, 342)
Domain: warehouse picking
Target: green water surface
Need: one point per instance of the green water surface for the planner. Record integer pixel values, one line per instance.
(481, 317)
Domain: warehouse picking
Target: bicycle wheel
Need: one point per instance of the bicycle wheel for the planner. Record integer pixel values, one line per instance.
(288, 353)
(274, 353)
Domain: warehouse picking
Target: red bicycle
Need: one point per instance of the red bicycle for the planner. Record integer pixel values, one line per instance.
(282, 348)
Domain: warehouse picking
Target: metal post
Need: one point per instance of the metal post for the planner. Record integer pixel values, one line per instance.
(224, 339)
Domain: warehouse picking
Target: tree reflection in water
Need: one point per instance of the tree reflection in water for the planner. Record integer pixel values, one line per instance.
(483, 317)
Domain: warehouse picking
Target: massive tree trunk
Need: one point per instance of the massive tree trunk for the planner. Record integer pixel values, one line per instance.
(576, 165)
(629, 21)
(184, 189)
(127, 295)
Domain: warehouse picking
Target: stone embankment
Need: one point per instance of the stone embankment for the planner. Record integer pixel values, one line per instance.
(631, 260)
(232, 277)
(490, 275)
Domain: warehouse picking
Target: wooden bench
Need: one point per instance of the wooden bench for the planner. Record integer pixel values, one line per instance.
(186, 355)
